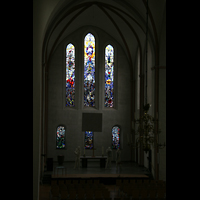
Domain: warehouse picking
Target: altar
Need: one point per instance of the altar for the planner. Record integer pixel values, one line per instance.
(102, 160)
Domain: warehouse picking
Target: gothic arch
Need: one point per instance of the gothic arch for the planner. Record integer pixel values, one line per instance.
(134, 22)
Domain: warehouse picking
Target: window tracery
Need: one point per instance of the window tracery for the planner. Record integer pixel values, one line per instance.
(109, 76)
(70, 75)
(89, 70)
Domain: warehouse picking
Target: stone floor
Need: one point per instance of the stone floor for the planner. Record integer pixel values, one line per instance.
(44, 192)
(93, 167)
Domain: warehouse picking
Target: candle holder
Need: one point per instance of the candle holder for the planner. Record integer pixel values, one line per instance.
(148, 134)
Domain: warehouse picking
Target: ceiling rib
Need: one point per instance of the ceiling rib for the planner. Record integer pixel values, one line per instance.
(65, 27)
(102, 6)
(127, 48)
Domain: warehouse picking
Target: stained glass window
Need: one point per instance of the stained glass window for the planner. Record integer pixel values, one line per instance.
(115, 137)
(89, 139)
(70, 75)
(60, 137)
(109, 76)
(89, 70)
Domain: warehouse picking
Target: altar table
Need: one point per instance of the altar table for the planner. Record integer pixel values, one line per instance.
(102, 160)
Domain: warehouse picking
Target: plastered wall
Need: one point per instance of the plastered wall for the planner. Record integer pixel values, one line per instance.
(71, 118)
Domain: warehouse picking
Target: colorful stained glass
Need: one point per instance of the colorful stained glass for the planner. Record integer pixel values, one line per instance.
(60, 137)
(109, 76)
(89, 139)
(89, 70)
(70, 75)
(115, 137)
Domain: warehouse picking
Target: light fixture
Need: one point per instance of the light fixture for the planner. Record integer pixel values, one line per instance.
(147, 133)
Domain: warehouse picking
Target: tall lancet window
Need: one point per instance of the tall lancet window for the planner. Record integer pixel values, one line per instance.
(60, 137)
(70, 75)
(115, 137)
(89, 70)
(109, 76)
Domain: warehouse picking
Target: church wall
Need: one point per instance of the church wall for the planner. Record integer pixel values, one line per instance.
(71, 118)
(162, 124)
(137, 100)
(41, 13)
(150, 92)
(162, 101)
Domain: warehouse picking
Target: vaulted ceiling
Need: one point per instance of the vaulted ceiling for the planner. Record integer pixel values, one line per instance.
(124, 20)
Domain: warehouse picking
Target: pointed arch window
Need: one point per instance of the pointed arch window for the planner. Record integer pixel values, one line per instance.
(116, 137)
(89, 137)
(109, 76)
(89, 70)
(60, 137)
(70, 75)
